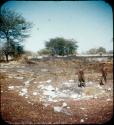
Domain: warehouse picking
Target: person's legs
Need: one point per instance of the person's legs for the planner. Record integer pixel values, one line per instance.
(101, 81)
(83, 82)
(79, 84)
(105, 79)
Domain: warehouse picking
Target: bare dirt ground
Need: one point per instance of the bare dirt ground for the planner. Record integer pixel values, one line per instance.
(47, 93)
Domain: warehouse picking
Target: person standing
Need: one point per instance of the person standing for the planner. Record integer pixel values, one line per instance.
(81, 77)
(103, 71)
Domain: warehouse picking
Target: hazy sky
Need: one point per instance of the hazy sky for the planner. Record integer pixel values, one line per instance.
(88, 22)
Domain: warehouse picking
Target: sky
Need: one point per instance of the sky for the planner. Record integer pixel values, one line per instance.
(90, 23)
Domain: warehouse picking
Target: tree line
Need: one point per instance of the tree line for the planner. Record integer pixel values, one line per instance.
(14, 29)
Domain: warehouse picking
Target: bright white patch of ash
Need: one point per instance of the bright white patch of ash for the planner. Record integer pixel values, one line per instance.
(48, 81)
(108, 100)
(71, 80)
(82, 108)
(109, 89)
(64, 104)
(44, 70)
(57, 109)
(23, 91)
(82, 120)
(11, 87)
(34, 93)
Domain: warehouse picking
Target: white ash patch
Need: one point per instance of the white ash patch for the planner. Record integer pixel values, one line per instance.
(71, 80)
(64, 104)
(27, 82)
(42, 82)
(48, 81)
(35, 93)
(74, 95)
(108, 99)
(19, 77)
(67, 84)
(66, 90)
(44, 70)
(62, 109)
(109, 89)
(99, 87)
(11, 88)
(23, 91)
(81, 120)
(57, 109)
(82, 108)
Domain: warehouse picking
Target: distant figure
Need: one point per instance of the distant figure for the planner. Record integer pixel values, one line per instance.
(103, 71)
(81, 78)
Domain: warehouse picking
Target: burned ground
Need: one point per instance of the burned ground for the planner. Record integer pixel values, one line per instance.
(48, 92)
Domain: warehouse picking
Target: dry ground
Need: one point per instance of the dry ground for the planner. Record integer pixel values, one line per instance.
(16, 108)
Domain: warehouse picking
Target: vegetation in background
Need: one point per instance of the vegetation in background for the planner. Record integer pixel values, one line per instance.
(99, 50)
(61, 46)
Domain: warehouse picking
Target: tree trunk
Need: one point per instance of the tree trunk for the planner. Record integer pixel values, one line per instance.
(6, 57)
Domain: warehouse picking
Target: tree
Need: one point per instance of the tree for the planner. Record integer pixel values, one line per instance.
(13, 30)
(92, 51)
(99, 50)
(61, 46)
